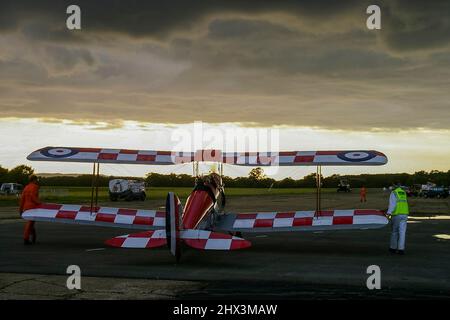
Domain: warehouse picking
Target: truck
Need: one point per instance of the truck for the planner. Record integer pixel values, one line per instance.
(343, 186)
(128, 190)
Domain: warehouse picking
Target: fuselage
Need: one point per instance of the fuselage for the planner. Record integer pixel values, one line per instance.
(201, 200)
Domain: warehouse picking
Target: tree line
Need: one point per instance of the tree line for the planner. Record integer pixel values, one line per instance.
(255, 179)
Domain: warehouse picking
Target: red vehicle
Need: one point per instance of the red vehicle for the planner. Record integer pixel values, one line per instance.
(197, 224)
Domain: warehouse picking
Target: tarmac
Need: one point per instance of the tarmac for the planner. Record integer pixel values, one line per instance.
(330, 265)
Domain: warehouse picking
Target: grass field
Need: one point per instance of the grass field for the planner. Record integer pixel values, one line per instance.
(83, 194)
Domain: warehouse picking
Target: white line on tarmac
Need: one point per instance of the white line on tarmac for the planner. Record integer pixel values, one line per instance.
(95, 249)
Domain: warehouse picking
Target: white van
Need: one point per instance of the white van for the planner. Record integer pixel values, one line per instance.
(121, 189)
(11, 189)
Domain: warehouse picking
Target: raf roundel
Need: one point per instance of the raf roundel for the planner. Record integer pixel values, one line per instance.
(356, 156)
(58, 152)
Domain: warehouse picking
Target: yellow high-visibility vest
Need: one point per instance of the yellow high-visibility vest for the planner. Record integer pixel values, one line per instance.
(402, 202)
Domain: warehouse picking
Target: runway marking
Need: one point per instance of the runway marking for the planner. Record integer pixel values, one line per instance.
(439, 217)
(442, 236)
(261, 236)
(95, 249)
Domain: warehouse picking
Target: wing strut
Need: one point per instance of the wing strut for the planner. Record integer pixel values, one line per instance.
(94, 186)
(195, 170)
(318, 190)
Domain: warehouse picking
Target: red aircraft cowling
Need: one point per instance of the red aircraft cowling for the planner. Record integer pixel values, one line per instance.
(197, 205)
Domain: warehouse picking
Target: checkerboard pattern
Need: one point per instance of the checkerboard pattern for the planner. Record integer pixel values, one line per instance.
(198, 239)
(100, 215)
(298, 158)
(207, 240)
(280, 220)
(283, 158)
(141, 240)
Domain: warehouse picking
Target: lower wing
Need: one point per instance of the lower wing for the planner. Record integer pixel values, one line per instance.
(302, 221)
(100, 216)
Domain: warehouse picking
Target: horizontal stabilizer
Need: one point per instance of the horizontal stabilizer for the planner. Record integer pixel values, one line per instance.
(207, 240)
(198, 239)
(141, 240)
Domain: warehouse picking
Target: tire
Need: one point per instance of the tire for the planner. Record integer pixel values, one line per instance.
(143, 196)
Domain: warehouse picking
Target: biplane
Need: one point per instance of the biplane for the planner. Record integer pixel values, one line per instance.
(203, 222)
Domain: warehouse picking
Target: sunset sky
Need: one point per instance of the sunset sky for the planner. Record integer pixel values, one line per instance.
(138, 71)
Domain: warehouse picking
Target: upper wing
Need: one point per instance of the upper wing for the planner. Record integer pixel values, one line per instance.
(283, 158)
(102, 216)
(302, 221)
(69, 154)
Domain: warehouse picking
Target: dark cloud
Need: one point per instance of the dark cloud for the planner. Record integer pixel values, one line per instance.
(243, 29)
(407, 25)
(416, 25)
(141, 18)
(66, 59)
(47, 32)
(299, 63)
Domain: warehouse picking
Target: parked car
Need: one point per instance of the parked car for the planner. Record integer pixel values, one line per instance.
(129, 190)
(11, 189)
(435, 192)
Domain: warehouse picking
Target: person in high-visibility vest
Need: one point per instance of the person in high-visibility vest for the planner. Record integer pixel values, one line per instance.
(399, 211)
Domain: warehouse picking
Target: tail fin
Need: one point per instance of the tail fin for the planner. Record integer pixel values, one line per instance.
(174, 212)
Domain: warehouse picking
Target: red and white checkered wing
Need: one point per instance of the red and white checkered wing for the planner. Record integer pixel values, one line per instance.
(102, 155)
(306, 158)
(101, 216)
(302, 221)
(149, 157)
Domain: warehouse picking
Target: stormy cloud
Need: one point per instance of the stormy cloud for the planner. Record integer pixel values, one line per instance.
(296, 63)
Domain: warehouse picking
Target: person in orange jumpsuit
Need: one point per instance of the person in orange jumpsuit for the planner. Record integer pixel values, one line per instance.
(362, 194)
(30, 200)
